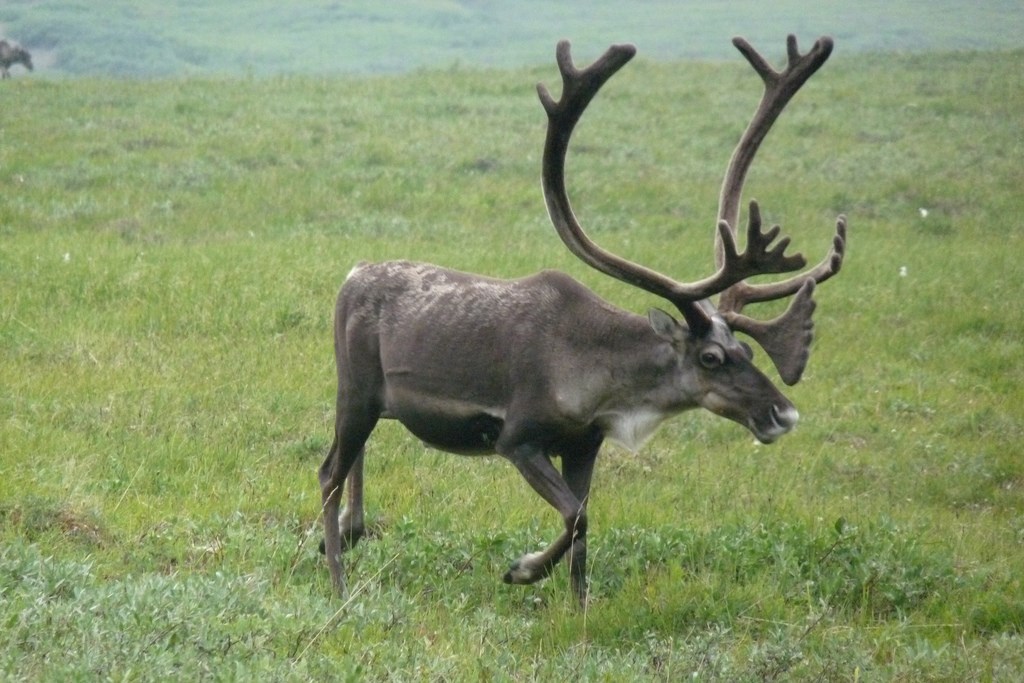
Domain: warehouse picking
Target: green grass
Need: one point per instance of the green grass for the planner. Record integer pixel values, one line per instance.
(169, 256)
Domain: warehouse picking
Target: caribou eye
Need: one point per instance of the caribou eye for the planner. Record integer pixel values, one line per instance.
(712, 357)
(747, 350)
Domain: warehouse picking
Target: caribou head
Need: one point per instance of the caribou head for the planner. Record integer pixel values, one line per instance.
(540, 367)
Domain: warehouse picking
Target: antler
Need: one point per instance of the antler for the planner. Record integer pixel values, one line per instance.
(787, 338)
(578, 89)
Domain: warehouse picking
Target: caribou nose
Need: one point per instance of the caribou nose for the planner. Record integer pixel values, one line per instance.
(785, 418)
(780, 421)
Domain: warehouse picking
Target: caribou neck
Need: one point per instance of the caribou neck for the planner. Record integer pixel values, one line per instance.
(633, 380)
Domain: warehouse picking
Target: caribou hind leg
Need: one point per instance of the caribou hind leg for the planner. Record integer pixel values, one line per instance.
(343, 461)
(353, 526)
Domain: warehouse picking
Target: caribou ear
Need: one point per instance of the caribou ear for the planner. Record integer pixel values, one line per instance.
(665, 326)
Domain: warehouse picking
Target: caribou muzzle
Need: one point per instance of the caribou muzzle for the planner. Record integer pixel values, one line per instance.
(778, 422)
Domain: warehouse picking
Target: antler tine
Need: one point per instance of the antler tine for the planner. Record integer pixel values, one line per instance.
(580, 86)
(742, 293)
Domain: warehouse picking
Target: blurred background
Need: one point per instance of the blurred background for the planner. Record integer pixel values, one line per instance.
(155, 38)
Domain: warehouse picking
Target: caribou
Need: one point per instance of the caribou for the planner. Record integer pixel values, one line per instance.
(539, 368)
(11, 54)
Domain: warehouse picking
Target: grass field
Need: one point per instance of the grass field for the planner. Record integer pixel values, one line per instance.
(169, 256)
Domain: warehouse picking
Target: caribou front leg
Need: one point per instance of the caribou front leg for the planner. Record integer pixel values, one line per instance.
(567, 495)
(577, 468)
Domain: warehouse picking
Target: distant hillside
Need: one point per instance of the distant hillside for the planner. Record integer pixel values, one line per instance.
(147, 38)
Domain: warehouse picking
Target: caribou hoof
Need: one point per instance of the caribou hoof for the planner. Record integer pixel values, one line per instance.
(526, 570)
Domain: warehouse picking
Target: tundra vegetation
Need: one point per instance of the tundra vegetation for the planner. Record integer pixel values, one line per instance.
(169, 256)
